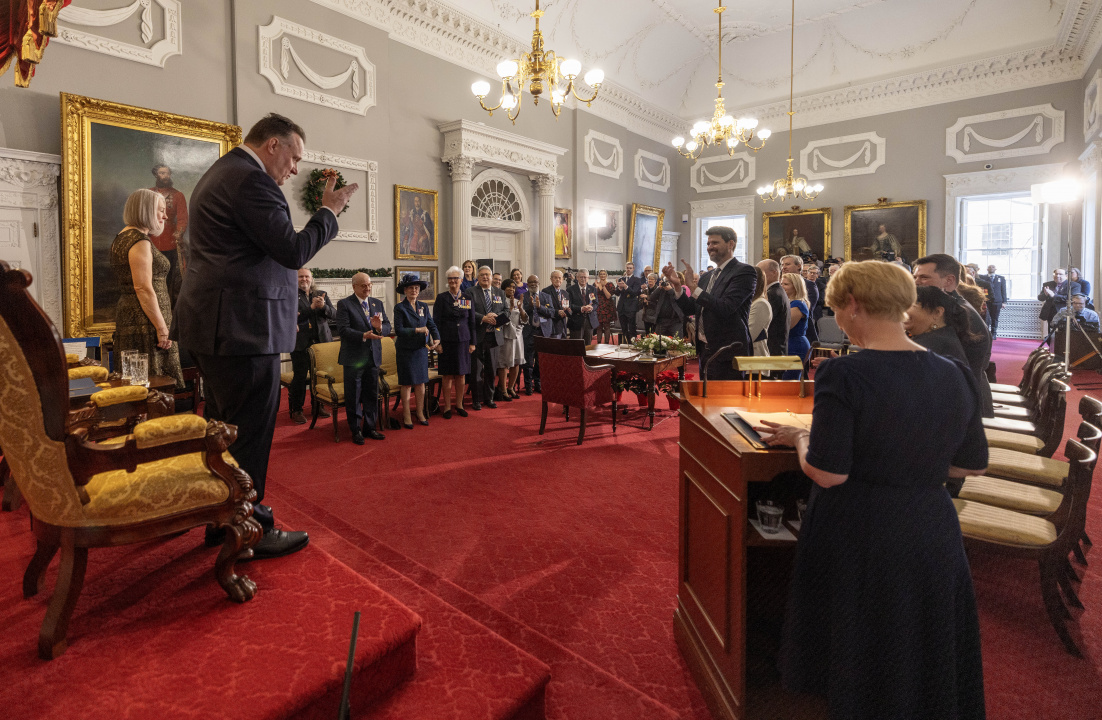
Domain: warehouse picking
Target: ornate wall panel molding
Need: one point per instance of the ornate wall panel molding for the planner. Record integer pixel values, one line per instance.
(652, 171)
(603, 154)
(319, 157)
(1090, 160)
(1092, 107)
(860, 154)
(278, 54)
(723, 172)
(466, 139)
(1037, 130)
(157, 53)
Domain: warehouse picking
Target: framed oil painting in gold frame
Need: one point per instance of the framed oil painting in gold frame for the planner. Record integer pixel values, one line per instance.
(645, 240)
(109, 150)
(416, 221)
(796, 232)
(564, 234)
(886, 227)
(428, 274)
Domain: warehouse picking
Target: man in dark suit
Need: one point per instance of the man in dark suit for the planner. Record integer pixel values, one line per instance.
(997, 300)
(541, 313)
(720, 299)
(490, 317)
(582, 314)
(559, 304)
(361, 324)
(777, 333)
(1054, 294)
(314, 313)
(236, 310)
(628, 289)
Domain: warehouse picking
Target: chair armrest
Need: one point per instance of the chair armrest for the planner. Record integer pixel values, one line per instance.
(118, 395)
(598, 368)
(321, 374)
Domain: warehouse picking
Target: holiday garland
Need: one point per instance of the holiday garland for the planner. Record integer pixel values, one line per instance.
(315, 186)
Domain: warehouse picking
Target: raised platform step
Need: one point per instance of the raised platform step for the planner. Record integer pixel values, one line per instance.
(153, 635)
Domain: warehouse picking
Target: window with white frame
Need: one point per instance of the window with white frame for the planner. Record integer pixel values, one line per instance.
(735, 222)
(1004, 231)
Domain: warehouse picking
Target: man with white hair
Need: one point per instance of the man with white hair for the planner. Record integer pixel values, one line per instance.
(582, 320)
(490, 316)
(362, 323)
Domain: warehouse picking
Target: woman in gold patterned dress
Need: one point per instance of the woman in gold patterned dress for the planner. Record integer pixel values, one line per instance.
(144, 313)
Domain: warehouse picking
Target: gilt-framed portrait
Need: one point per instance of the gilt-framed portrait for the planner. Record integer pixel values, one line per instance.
(796, 232)
(564, 234)
(109, 150)
(604, 231)
(645, 240)
(428, 295)
(416, 222)
(886, 230)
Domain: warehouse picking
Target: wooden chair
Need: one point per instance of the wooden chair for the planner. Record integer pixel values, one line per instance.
(326, 383)
(1041, 354)
(168, 476)
(566, 379)
(1039, 424)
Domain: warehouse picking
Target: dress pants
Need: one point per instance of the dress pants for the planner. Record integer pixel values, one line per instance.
(585, 332)
(531, 369)
(627, 328)
(993, 311)
(243, 390)
(296, 394)
(483, 372)
(361, 397)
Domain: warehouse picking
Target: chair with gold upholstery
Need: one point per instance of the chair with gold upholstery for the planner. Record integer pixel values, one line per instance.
(169, 475)
(1041, 354)
(326, 383)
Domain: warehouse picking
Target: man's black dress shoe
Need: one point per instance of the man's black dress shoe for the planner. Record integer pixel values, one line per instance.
(298, 418)
(358, 438)
(527, 391)
(447, 414)
(491, 404)
(460, 412)
(475, 406)
(375, 435)
(277, 543)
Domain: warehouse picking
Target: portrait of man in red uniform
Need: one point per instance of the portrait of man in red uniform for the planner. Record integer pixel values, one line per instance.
(168, 242)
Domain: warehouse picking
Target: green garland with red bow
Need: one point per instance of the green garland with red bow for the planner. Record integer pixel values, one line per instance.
(315, 186)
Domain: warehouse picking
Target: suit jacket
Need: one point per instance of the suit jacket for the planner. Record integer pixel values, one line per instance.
(483, 332)
(1058, 301)
(313, 325)
(575, 320)
(812, 295)
(629, 298)
(456, 324)
(240, 289)
(352, 323)
(541, 314)
(778, 325)
(998, 287)
(978, 352)
(558, 323)
(724, 310)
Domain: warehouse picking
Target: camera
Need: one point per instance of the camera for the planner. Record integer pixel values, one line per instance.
(887, 256)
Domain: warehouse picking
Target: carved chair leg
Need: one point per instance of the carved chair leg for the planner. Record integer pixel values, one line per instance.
(1080, 556)
(70, 580)
(581, 427)
(1069, 592)
(336, 427)
(1086, 539)
(240, 539)
(1057, 613)
(543, 417)
(315, 409)
(35, 576)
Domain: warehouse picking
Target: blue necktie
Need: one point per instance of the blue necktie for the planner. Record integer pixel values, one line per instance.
(487, 292)
(363, 304)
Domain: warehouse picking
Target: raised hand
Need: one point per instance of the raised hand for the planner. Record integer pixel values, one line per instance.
(691, 278)
(334, 199)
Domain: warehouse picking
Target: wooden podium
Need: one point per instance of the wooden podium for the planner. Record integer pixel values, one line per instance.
(716, 466)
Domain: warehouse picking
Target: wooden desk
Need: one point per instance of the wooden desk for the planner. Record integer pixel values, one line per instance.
(647, 369)
(716, 465)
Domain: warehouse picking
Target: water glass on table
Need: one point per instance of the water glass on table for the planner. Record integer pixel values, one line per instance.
(126, 358)
(139, 369)
(769, 516)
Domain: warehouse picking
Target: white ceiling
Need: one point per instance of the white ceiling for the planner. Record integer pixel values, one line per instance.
(665, 50)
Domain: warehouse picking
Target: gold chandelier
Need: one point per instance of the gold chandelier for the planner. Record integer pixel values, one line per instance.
(722, 128)
(791, 186)
(540, 70)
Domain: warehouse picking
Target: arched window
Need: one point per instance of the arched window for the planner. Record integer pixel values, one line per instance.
(495, 200)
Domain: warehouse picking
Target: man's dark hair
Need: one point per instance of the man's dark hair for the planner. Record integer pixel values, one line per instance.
(273, 125)
(158, 166)
(944, 265)
(724, 232)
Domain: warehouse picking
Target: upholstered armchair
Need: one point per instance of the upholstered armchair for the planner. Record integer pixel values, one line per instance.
(567, 380)
(326, 382)
(170, 474)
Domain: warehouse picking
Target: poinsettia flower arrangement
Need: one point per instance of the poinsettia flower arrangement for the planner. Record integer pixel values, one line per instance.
(669, 382)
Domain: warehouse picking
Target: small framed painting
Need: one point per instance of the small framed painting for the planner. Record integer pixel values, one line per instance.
(886, 231)
(428, 295)
(564, 233)
(415, 218)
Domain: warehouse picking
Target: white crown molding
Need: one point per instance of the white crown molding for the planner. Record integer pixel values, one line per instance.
(157, 54)
(644, 178)
(595, 160)
(960, 137)
(275, 67)
(872, 150)
(371, 168)
(467, 139)
(741, 165)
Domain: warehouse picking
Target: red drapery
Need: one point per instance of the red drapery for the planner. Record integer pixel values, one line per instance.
(26, 27)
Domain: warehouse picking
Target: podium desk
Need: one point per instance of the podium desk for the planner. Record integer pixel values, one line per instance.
(717, 463)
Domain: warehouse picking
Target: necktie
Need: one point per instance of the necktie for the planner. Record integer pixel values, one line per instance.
(363, 304)
(487, 293)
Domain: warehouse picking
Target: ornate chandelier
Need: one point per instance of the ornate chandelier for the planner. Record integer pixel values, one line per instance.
(723, 128)
(791, 186)
(539, 70)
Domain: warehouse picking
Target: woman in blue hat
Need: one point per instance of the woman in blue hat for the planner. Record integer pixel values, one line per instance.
(415, 332)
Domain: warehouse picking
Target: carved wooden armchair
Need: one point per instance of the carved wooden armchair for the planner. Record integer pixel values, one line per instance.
(169, 475)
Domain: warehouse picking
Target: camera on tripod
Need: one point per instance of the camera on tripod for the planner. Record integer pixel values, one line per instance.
(568, 275)
(887, 256)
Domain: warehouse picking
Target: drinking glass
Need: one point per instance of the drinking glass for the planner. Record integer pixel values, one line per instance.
(126, 359)
(801, 508)
(769, 516)
(139, 369)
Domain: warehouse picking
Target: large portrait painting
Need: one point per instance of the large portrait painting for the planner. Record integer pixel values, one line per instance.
(796, 232)
(645, 241)
(415, 224)
(428, 295)
(109, 151)
(604, 232)
(564, 234)
(886, 231)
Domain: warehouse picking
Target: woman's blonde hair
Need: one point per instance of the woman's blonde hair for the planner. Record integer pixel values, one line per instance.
(141, 211)
(798, 287)
(882, 289)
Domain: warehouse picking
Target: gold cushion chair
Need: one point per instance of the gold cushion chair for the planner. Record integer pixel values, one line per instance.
(1047, 422)
(326, 382)
(1040, 355)
(168, 476)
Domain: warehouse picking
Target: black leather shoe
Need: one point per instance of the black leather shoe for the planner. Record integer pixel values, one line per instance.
(358, 438)
(506, 398)
(460, 412)
(423, 422)
(527, 391)
(375, 435)
(491, 404)
(447, 414)
(277, 543)
(298, 418)
(475, 406)
(407, 426)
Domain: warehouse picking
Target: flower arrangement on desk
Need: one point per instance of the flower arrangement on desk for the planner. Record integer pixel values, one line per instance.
(648, 343)
(668, 382)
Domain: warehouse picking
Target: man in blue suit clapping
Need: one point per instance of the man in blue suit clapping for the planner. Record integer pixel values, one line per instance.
(361, 323)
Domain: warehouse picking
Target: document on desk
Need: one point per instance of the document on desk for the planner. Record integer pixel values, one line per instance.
(746, 420)
(614, 354)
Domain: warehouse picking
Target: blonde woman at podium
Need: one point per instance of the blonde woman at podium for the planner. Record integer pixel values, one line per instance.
(881, 618)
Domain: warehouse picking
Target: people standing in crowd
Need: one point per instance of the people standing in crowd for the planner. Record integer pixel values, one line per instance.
(648, 310)
(881, 615)
(1084, 284)
(582, 314)
(798, 344)
(469, 279)
(361, 325)
(779, 304)
(1054, 294)
(998, 298)
(606, 307)
(143, 313)
(795, 264)
(517, 276)
(414, 334)
(720, 299)
(541, 313)
(454, 318)
(938, 322)
(943, 271)
(817, 311)
(509, 356)
(490, 317)
(236, 310)
(760, 316)
(669, 318)
(315, 310)
(628, 289)
(559, 303)
(495, 280)
(971, 292)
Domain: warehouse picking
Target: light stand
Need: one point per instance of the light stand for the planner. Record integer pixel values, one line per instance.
(1061, 192)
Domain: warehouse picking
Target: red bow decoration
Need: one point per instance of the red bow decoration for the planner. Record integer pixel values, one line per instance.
(26, 27)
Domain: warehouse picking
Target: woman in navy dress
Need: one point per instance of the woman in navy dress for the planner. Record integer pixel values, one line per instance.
(414, 332)
(881, 614)
(454, 318)
(469, 279)
(798, 344)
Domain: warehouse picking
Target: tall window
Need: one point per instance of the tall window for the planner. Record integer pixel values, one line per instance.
(736, 223)
(1003, 230)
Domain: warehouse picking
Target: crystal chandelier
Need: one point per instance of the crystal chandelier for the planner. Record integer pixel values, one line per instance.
(791, 186)
(539, 70)
(722, 127)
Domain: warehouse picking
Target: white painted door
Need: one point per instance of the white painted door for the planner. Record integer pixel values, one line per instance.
(497, 246)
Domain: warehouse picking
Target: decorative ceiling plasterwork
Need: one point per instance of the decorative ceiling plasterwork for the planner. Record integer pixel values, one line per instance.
(1092, 107)
(604, 155)
(722, 172)
(656, 176)
(169, 44)
(371, 168)
(866, 156)
(467, 139)
(1041, 129)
